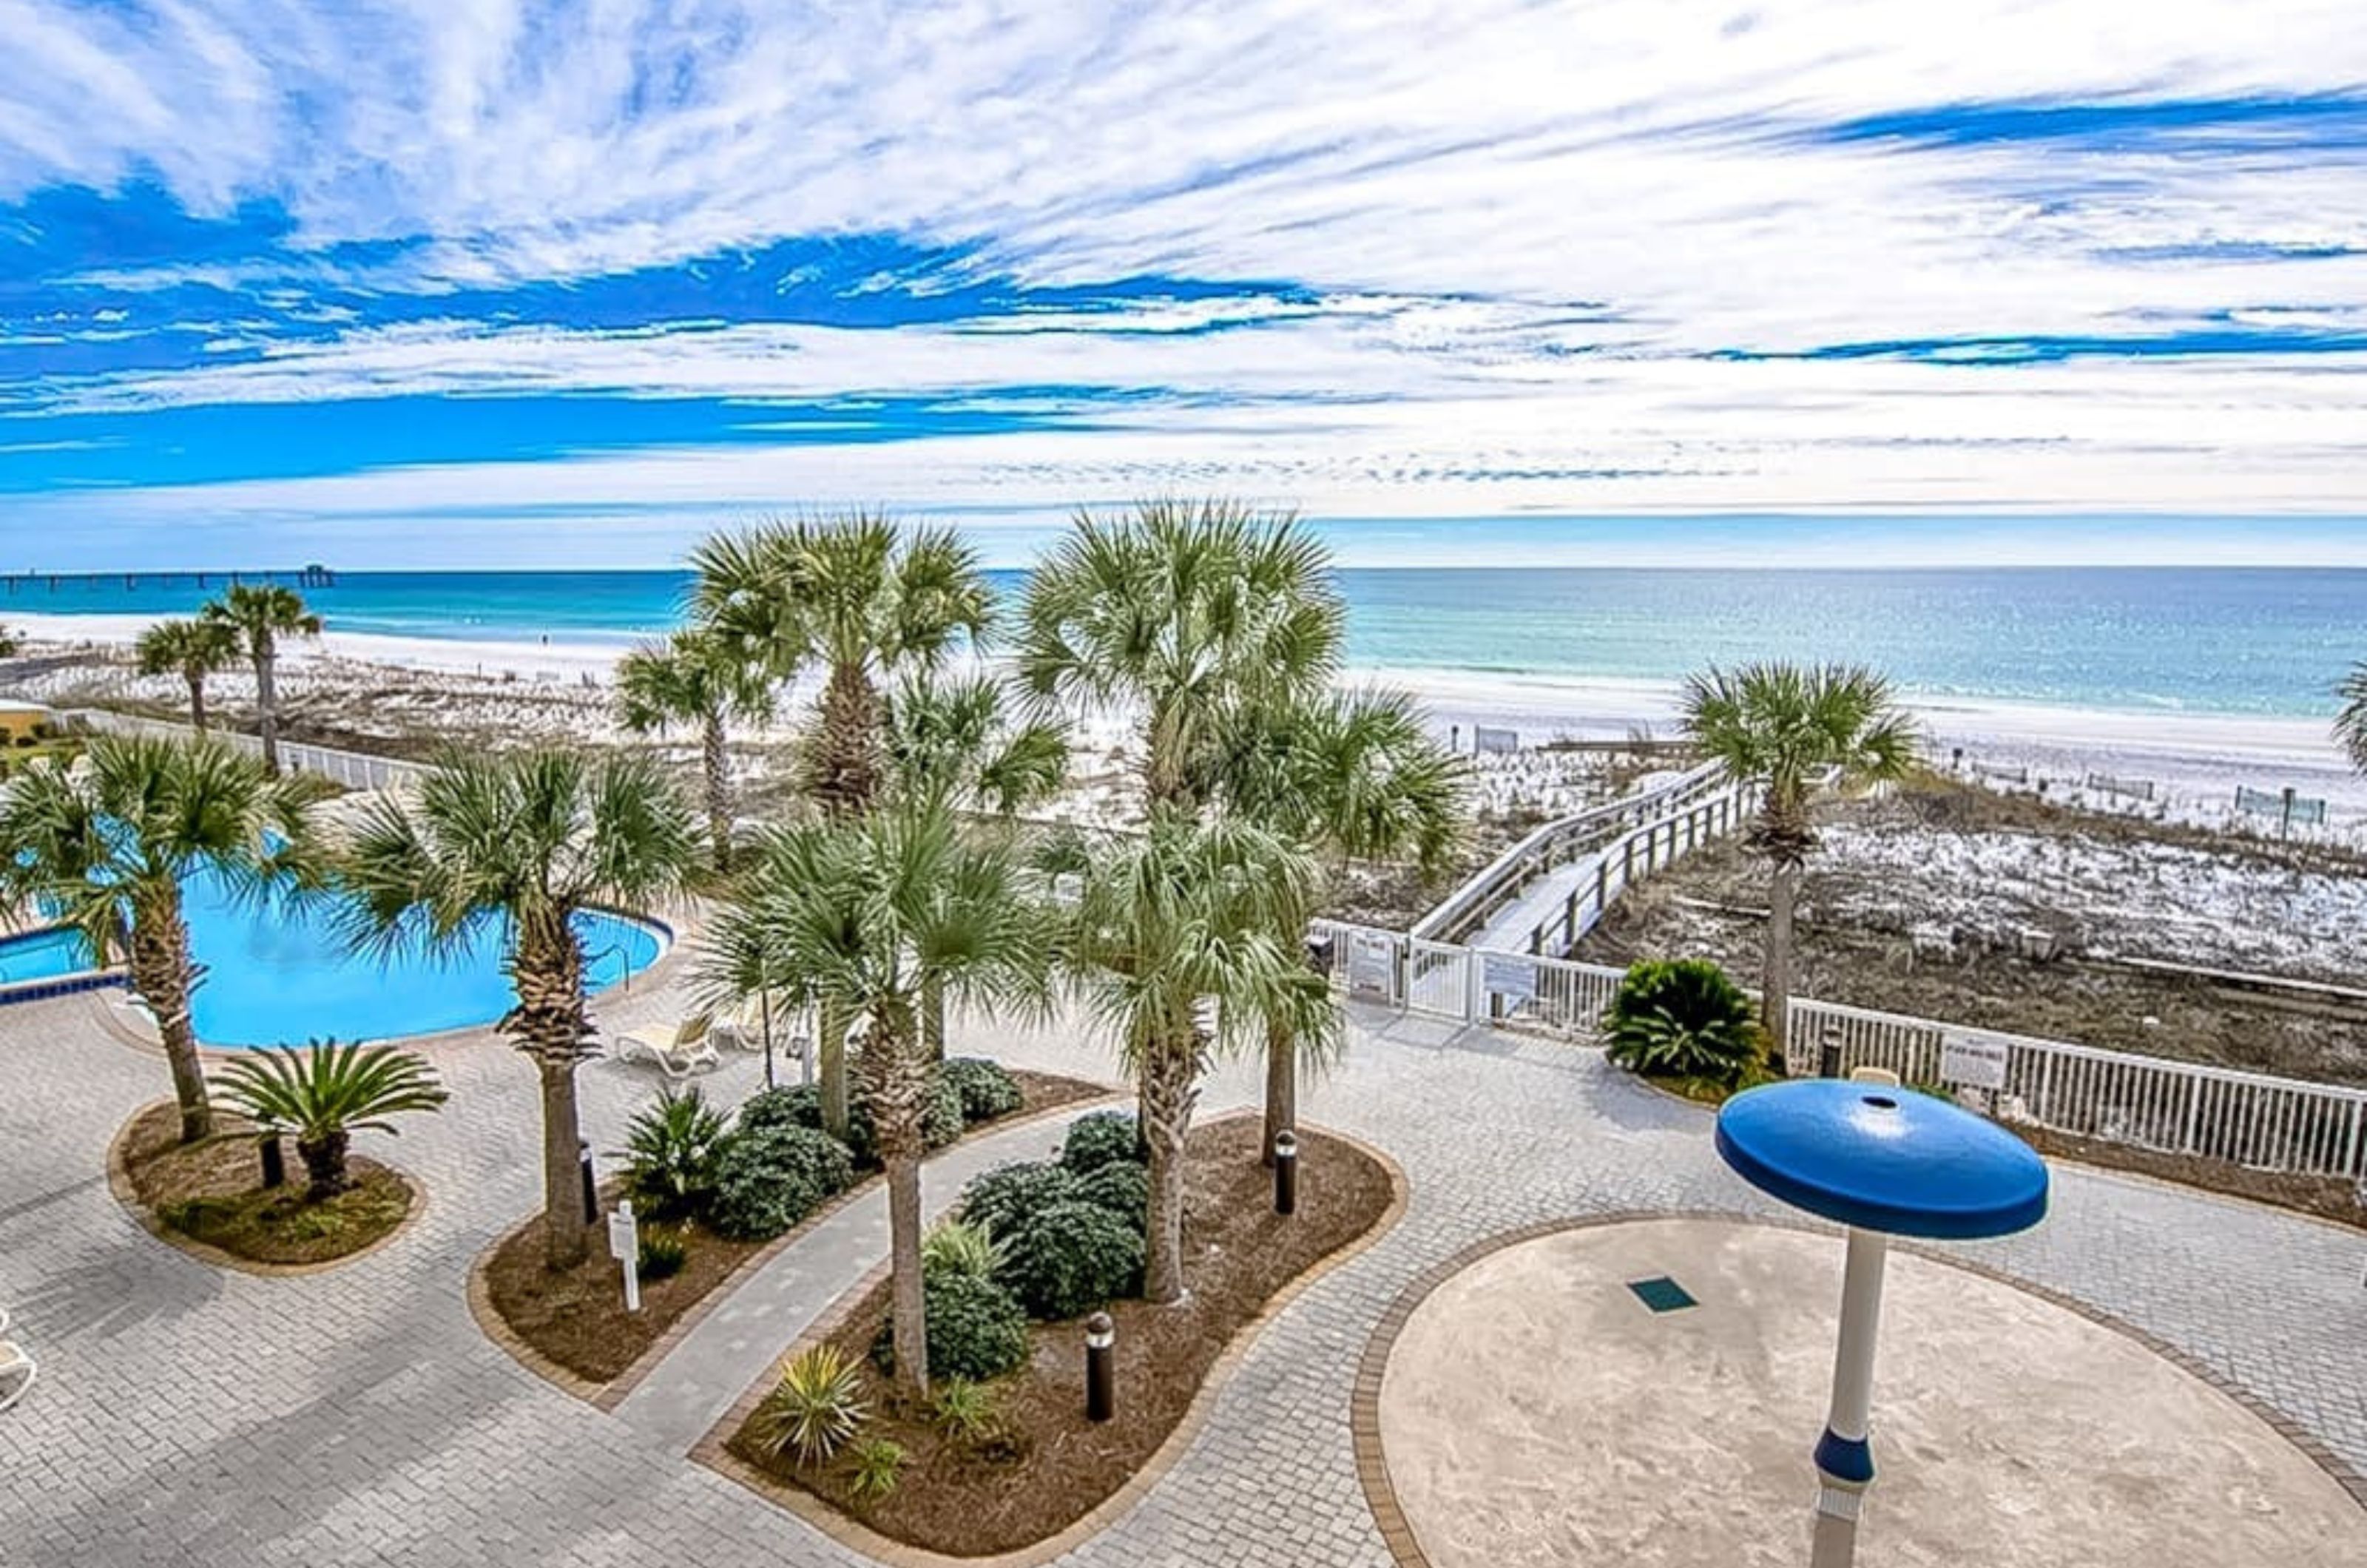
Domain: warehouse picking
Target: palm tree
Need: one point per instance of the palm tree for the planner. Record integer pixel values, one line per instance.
(108, 844)
(1784, 728)
(867, 600)
(192, 648)
(1356, 777)
(866, 912)
(261, 614)
(325, 1095)
(532, 839)
(696, 678)
(1183, 612)
(1184, 918)
(2351, 724)
(10, 643)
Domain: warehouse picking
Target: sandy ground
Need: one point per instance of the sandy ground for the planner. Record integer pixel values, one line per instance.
(1534, 1414)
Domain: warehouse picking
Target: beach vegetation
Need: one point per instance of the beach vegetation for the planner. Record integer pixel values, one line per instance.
(530, 839)
(1785, 729)
(323, 1095)
(194, 648)
(2351, 721)
(260, 615)
(696, 679)
(107, 843)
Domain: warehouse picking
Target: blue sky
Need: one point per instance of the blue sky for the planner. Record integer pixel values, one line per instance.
(478, 282)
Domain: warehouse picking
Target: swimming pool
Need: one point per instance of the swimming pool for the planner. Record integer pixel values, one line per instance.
(281, 975)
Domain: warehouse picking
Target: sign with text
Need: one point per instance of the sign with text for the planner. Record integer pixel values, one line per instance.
(1371, 966)
(1973, 1062)
(1515, 979)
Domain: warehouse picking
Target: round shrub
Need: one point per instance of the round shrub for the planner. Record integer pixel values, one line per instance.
(767, 1181)
(772, 1107)
(1070, 1259)
(1121, 1187)
(1101, 1138)
(986, 1090)
(976, 1329)
(1683, 1018)
(1004, 1197)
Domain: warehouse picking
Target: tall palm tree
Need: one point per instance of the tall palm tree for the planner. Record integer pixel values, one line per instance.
(325, 1094)
(1356, 777)
(532, 839)
(869, 601)
(191, 648)
(696, 678)
(2351, 724)
(1183, 612)
(109, 843)
(1782, 728)
(261, 614)
(1181, 921)
(866, 911)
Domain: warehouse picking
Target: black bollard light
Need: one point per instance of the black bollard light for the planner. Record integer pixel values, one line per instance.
(1286, 1173)
(1829, 1052)
(275, 1160)
(591, 1185)
(1101, 1367)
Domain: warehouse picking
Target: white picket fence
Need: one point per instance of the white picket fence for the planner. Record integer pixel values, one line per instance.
(2180, 1107)
(355, 770)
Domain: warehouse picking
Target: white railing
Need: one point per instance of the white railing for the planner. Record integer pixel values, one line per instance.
(1635, 856)
(2149, 1102)
(355, 770)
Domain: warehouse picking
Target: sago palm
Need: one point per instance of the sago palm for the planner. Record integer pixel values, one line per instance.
(868, 600)
(1180, 612)
(533, 840)
(863, 911)
(1782, 728)
(326, 1093)
(2350, 723)
(697, 679)
(260, 615)
(192, 648)
(1187, 919)
(109, 843)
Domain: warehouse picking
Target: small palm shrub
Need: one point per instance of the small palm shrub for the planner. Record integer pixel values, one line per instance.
(1121, 1187)
(1004, 1197)
(1070, 1259)
(813, 1410)
(767, 1181)
(325, 1094)
(875, 1465)
(960, 1247)
(987, 1091)
(977, 1328)
(664, 1250)
(1104, 1137)
(1683, 1018)
(964, 1412)
(671, 1152)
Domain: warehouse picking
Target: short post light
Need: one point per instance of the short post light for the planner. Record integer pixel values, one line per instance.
(275, 1157)
(1101, 1367)
(591, 1182)
(1286, 1172)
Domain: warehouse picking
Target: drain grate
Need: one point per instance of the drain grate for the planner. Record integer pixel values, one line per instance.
(1662, 1295)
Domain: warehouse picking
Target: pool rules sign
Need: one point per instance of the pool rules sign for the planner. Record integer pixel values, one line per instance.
(1972, 1061)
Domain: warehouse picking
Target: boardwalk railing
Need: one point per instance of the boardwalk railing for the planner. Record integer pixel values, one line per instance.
(355, 770)
(1636, 854)
(2147, 1102)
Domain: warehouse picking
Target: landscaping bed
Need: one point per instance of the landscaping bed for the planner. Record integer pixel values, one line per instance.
(576, 1317)
(211, 1193)
(1037, 1465)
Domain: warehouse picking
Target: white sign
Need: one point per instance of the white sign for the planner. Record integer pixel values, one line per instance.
(1486, 740)
(1515, 979)
(1371, 966)
(1976, 1064)
(625, 1246)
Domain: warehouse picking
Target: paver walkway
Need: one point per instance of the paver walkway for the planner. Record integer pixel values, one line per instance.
(192, 1417)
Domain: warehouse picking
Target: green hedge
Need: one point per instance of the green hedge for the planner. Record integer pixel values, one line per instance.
(1099, 1138)
(768, 1179)
(1072, 1257)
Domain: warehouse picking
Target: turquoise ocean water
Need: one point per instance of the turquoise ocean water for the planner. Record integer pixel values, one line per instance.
(2185, 640)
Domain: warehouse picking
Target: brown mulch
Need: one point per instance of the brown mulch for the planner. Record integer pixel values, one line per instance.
(211, 1192)
(576, 1316)
(1049, 1467)
(2327, 1197)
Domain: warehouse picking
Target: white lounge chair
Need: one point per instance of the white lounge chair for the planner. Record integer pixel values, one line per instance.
(744, 1027)
(687, 1050)
(17, 1368)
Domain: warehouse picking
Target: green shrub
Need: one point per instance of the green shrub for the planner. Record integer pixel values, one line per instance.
(1070, 1259)
(1102, 1138)
(767, 1181)
(1683, 1018)
(960, 1247)
(1004, 1197)
(671, 1152)
(769, 1109)
(941, 1123)
(1121, 1187)
(987, 1091)
(976, 1329)
(813, 1410)
(963, 1411)
(875, 1465)
(662, 1252)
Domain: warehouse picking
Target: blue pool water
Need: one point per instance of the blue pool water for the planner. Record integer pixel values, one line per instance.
(281, 975)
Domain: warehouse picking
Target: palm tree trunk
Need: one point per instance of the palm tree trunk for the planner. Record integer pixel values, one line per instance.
(160, 967)
(325, 1164)
(1775, 979)
(266, 703)
(564, 1242)
(844, 773)
(1169, 1089)
(933, 1015)
(909, 1301)
(197, 678)
(1281, 1087)
(550, 1025)
(717, 758)
(832, 1024)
